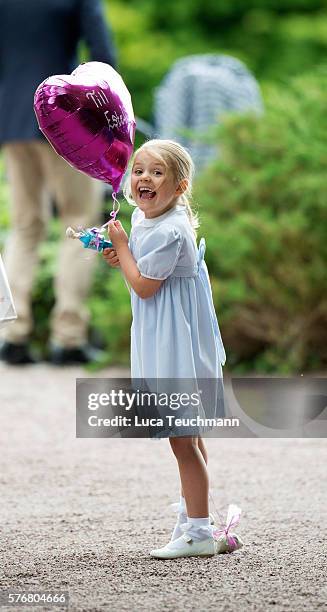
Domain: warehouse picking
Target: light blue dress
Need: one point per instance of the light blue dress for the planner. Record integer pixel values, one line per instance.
(175, 333)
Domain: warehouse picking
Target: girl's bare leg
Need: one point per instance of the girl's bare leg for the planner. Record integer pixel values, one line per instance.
(203, 451)
(193, 474)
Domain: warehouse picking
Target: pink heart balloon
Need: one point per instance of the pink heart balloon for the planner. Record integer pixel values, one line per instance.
(88, 118)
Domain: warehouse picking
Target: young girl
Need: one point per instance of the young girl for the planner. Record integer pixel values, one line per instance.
(174, 333)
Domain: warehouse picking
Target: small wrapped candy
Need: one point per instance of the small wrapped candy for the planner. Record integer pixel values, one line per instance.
(229, 542)
(91, 238)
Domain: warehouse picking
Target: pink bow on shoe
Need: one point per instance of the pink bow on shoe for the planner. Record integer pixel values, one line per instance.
(233, 519)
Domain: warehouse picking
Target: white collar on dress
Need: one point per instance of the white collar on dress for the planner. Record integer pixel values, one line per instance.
(150, 222)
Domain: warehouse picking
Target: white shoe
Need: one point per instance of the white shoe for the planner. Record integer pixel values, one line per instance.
(185, 546)
(224, 547)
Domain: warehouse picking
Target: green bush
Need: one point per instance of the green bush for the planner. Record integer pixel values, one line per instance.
(264, 214)
(275, 38)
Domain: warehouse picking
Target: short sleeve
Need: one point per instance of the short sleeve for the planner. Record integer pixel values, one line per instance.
(137, 215)
(159, 253)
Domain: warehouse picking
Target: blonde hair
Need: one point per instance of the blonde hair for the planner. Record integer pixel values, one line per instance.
(177, 158)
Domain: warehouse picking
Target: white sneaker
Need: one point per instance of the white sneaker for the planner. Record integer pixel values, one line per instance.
(185, 546)
(224, 547)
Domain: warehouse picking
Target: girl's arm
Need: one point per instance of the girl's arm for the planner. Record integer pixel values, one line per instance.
(143, 287)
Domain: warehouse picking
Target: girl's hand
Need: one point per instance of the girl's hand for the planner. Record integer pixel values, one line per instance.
(117, 234)
(111, 257)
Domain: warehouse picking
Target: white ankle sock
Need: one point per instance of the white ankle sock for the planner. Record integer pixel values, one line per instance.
(199, 528)
(181, 518)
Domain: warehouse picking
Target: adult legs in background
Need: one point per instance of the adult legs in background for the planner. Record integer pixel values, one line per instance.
(28, 221)
(34, 172)
(78, 198)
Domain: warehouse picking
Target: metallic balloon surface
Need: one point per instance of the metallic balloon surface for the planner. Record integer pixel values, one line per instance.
(88, 118)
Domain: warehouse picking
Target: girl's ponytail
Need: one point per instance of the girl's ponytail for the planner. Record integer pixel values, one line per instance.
(192, 216)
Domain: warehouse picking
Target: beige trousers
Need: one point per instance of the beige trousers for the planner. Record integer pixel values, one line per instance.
(36, 172)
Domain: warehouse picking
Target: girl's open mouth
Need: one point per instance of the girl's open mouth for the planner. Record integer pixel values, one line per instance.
(146, 193)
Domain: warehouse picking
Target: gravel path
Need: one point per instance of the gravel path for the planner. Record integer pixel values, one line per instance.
(81, 515)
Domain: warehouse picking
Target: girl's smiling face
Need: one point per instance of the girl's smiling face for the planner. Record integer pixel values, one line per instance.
(154, 188)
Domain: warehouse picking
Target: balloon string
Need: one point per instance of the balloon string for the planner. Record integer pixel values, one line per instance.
(115, 210)
(115, 206)
(113, 215)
